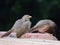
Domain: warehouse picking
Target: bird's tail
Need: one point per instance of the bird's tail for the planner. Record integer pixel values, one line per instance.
(6, 34)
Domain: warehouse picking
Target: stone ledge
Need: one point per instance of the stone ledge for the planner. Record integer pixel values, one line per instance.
(16, 41)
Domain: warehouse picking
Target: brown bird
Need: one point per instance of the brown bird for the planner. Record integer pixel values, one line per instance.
(20, 27)
(44, 23)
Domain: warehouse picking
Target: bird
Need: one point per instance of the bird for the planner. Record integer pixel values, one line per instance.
(20, 27)
(43, 22)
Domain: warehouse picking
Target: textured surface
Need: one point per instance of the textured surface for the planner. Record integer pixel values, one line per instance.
(46, 36)
(15, 41)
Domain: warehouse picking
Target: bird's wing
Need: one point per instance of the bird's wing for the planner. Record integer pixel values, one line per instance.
(17, 24)
(24, 28)
(27, 25)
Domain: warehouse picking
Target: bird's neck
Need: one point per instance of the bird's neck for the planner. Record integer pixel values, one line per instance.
(25, 20)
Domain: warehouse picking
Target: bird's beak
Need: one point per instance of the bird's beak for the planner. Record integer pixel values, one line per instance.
(30, 17)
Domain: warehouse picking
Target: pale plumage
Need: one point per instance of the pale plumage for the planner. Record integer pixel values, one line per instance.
(20, 27)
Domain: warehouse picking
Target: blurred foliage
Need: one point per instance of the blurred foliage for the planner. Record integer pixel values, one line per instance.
(11, 10)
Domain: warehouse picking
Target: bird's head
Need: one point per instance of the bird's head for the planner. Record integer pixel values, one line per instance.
(26, 17)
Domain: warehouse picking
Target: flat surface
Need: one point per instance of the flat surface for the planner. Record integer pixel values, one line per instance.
(15, 41)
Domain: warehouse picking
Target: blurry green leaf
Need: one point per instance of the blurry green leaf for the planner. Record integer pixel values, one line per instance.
(16, 8)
